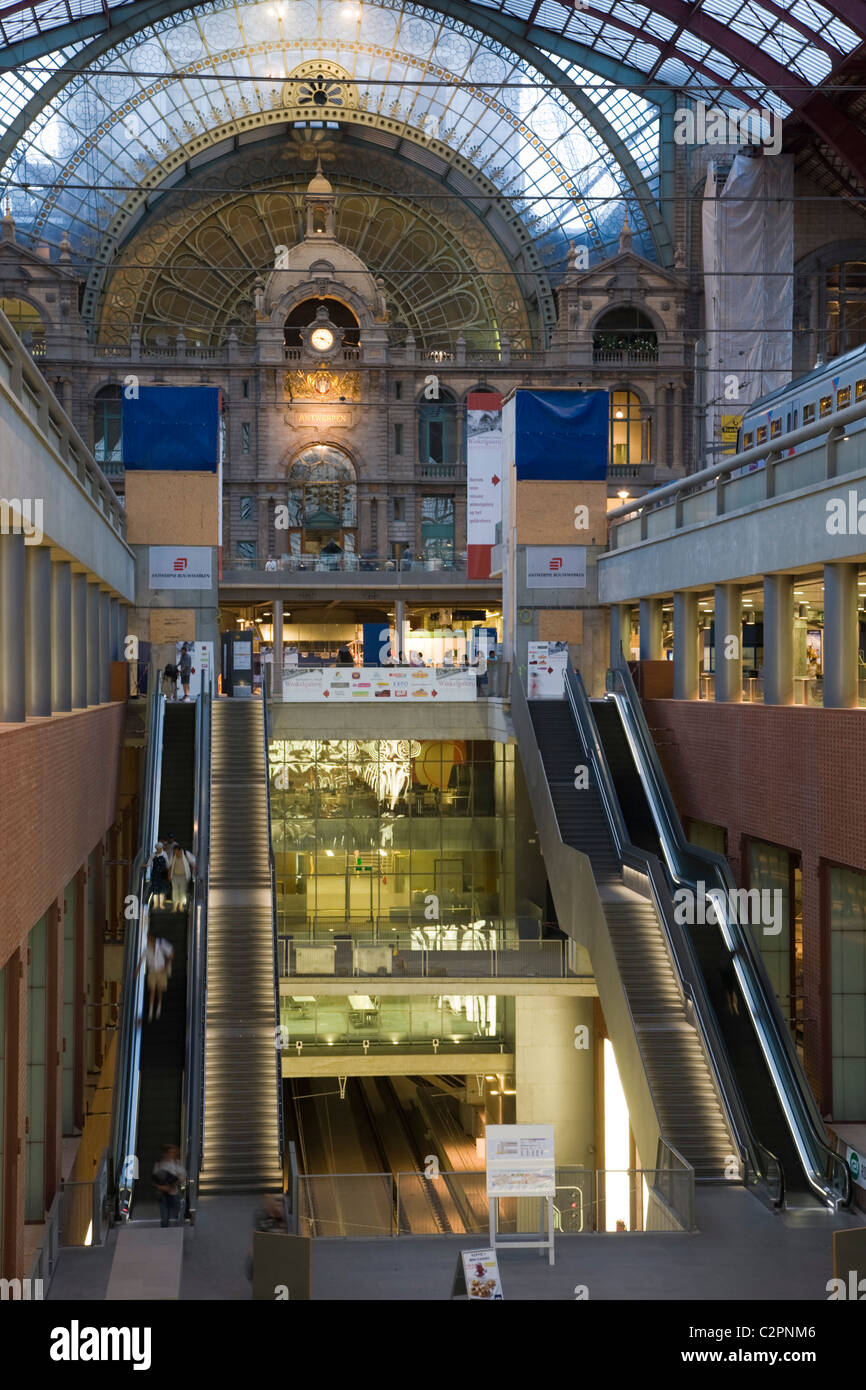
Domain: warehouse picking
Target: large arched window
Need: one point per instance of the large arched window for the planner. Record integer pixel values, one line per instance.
(27, 323)
(339, 314)
(437, 429)
(107, 428)
(624, 334)
(629, 432)
(322, 491)
(845, 311)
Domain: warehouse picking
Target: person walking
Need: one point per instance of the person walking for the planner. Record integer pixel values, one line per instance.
(180, 876)
(158, 864)
(169, 680)
(185, 669)
(158, 954)
(168, 1177)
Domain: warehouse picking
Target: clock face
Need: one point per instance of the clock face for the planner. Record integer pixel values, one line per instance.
(322, 339)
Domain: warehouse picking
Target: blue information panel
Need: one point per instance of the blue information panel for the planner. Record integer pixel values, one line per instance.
(172, 427)
(561, 435)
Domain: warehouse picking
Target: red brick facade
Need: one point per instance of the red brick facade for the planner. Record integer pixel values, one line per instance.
(794, 776)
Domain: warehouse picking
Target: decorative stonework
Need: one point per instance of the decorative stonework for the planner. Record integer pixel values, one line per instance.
(318, 385)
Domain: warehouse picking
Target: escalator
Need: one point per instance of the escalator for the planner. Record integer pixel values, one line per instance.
(163, 1040)
(159, 1086)
(742, 1022)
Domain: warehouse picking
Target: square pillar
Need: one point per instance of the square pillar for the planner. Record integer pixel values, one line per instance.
(840, 636)
(685, 646)
(104, 647)
(277, 666)
(37, 627)
(78, 641)
(92, 648)
(620, 632)
(729, 643)
(114, 642)
(61, 636)
(651, 629)
(778, 639)
(13, 706)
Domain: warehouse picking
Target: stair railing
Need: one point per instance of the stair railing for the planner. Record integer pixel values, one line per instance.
(274, 933)
(192, 1124)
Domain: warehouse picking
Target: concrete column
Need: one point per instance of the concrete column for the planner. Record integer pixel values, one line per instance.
(554, 1078)
(13, 708)
(382, 525)
(61, 636)
(38, 630)
(778, 639)
(729, 624)
(78, 640)
(114, 643)
(92, 645)
(685, 645)
(840, 636)
(620, 632)
(104, 648)
(651, 629)
(277, 667)
(399, 628)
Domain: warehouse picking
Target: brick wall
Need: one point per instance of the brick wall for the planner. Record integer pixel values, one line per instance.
(57, 798)
(792, 775)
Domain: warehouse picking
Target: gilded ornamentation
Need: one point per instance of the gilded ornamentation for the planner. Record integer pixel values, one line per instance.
(320, 385)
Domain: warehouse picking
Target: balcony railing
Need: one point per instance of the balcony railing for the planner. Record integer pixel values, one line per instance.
(632, 357)
(346, 564)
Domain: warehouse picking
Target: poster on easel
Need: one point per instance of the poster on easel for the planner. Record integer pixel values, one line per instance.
(477, 1276)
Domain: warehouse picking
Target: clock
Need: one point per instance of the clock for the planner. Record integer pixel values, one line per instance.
(322, 339)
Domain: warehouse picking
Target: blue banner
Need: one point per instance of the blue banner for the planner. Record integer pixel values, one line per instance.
(172, 428)
(561, 435)
(377, 643)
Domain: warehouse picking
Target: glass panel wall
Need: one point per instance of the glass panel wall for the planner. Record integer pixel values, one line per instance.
(847, 914)
(387, 834)
(770, 870)
(383, 1020)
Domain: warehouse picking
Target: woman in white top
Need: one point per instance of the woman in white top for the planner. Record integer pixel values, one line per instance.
(180, 877)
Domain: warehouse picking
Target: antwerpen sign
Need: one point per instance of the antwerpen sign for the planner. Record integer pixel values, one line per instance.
(322, 417)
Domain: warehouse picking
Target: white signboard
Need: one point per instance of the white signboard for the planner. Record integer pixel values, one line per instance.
(351, 684)
(181, 567)
(520, 1161)
(242, 656)
(556, 567)
(483, 468)
(545, 670)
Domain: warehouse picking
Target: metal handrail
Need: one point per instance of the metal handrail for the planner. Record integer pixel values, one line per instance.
(125, 1110)
(193, 1079)
(679, 946)
(685, 864)
(274, 935)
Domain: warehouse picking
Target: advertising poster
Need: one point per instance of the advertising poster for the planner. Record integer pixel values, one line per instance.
(481, 1274)
(350, 684)
(483, 478)
(520, 1161)
(545, 670)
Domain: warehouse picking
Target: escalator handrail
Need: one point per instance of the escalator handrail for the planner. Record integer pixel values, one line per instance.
(682, 860)
(125, 1110)
(191, 1112)
(679, 945)
(274, 933)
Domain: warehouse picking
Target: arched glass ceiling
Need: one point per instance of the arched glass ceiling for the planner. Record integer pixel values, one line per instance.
(445, 81)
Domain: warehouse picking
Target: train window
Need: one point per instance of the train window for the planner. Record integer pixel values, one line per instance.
(762, 434)
(826, 404)
(843, 397)
(747, 441)
(808, 414)
(775, 428)
(860, 390)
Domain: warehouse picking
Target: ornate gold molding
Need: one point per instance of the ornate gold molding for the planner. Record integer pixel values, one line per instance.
(321, 384)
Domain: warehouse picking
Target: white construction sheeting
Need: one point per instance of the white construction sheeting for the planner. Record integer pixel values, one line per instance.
(748, 244)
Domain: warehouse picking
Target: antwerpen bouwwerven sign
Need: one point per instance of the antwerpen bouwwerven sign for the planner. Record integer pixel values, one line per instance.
(181, 567)
(556, 567)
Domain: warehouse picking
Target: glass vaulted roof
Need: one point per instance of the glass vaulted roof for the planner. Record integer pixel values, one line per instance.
(181, 80)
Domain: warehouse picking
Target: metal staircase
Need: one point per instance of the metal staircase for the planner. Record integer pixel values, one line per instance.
(683, 1087)
(242, 1140)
